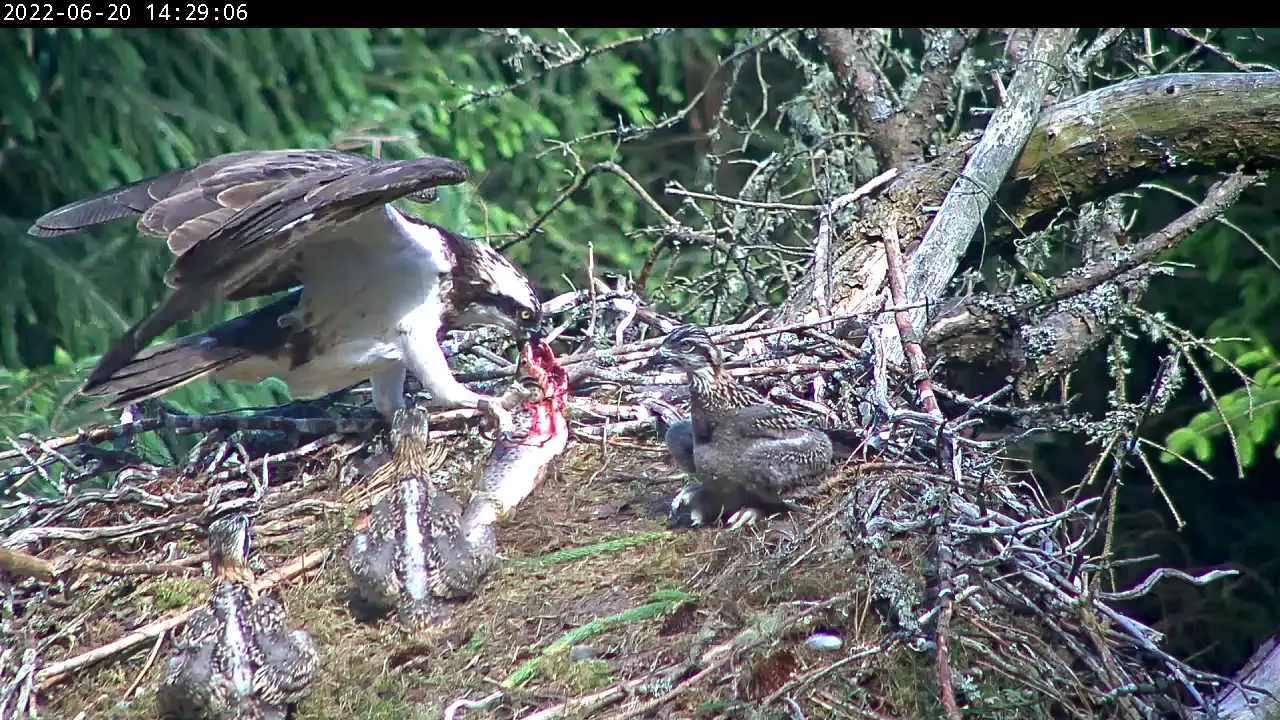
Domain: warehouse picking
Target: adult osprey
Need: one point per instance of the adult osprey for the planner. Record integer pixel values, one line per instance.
(378, 286)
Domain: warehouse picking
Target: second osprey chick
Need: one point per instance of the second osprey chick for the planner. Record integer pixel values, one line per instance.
(745, 450)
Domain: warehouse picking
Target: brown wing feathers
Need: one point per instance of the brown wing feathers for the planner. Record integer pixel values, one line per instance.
(256, 237)
(180, 304)
(132, 199)
(203, 182)
(231, 220)
(159, 368)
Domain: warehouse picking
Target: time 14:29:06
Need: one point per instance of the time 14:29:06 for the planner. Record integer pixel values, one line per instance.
(198, 12)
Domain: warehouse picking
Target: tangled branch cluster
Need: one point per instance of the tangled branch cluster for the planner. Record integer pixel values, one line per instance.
(915, 483)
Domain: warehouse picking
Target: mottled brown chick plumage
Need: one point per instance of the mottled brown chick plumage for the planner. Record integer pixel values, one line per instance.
(236, 658)
(745, 451)
(414, 553)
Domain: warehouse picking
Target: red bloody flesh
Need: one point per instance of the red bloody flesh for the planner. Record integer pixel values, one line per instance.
(554, 381)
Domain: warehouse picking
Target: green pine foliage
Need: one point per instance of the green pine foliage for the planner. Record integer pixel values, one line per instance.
(1235, 294)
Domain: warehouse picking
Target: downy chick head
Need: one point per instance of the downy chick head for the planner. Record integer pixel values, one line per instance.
(411, 443)
(493, 291)
(229, 547)
(688, 348)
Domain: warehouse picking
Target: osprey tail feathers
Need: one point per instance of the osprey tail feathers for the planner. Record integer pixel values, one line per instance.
(161, 368)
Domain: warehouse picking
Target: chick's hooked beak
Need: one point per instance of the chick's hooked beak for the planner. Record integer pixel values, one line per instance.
(661, 360)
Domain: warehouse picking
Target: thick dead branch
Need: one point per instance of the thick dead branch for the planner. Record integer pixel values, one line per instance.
(934, 263)
(1256, 695)
(857, 265)
(1113, 138)
(1082, 149)
(1181, 113)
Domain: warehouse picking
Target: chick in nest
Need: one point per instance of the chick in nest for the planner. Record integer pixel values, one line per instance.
(236, 657)
(745, 451)
(414, 553)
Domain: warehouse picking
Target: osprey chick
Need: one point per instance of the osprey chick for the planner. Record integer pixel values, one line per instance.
(746, 451)
(236, 657)
(415, 553)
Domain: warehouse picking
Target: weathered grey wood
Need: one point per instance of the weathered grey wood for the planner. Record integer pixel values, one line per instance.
(932, 266)
(1262, 671)
(1113, 138)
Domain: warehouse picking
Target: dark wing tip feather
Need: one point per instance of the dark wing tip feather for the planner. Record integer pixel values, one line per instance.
(446, 171)
(80, 215)
(423, 175)
(121, 202)
(404, 178)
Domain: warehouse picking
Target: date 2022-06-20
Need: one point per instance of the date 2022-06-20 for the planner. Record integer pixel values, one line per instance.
(38, 13)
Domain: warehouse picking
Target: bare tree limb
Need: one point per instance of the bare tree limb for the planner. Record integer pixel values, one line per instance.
(1080, 150)
(1220, 197)
(897, 136)
(1084, 305)
(934, 263)
(1116, 137)
(1263, 671)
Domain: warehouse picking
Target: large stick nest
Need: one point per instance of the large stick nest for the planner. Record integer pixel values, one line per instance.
(927, 576)
(921, 541)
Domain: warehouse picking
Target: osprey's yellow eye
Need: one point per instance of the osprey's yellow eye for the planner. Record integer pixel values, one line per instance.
(526, 315)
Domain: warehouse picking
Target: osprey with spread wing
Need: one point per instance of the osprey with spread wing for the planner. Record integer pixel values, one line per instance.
(374, 288)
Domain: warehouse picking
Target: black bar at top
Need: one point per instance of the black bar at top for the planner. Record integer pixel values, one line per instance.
(134, 13)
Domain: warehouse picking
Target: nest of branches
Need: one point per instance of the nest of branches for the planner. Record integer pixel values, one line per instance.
(926, 578)
(921, 553)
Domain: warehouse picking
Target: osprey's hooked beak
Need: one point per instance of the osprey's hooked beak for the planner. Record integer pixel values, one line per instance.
(524, 349)
(539, 332)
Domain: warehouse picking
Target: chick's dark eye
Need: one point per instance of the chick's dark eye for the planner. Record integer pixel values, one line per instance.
(686, 346)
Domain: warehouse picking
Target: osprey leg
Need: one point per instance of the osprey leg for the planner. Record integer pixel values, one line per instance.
(423, 355)
(388, 390)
